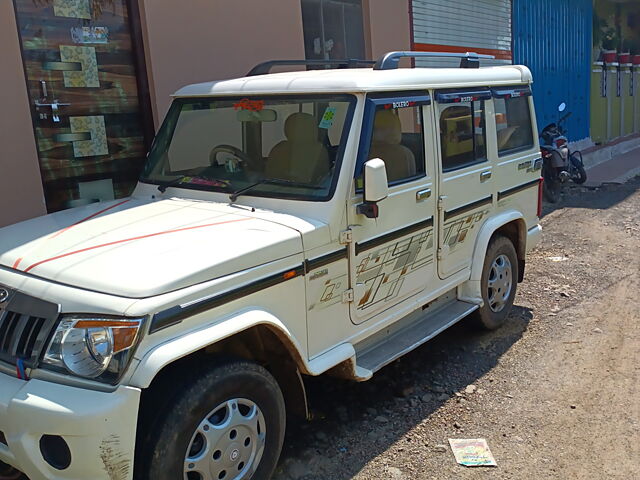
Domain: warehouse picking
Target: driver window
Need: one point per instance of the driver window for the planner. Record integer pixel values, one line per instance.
(398, 139)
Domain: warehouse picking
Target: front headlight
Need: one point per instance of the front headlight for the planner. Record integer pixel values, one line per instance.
(93, 347)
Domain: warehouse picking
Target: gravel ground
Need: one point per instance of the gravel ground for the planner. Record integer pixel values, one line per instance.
(554, 392)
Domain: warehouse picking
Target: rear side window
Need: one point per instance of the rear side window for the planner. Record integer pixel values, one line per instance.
(463, 136)
(513, 124)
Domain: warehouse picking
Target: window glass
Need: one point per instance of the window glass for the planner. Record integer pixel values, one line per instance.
(513, 124)
(274, 146)
(462, 134)
(398, 140)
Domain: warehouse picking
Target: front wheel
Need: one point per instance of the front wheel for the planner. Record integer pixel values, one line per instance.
(498, 283)
(227, 425)
(580, 175)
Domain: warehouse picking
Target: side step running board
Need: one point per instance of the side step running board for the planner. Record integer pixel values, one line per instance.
(393, 347)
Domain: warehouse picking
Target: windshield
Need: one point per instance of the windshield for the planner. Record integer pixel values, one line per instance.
(287, 147)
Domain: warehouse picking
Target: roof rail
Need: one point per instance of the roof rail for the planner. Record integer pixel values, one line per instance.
(265, 67)
(391, 60)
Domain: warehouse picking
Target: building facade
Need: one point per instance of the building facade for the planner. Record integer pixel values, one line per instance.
(87, 82)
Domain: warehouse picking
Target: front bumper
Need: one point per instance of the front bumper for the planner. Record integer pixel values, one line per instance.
(99, 429)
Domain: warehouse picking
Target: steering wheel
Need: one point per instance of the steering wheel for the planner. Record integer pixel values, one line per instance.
(235, 151)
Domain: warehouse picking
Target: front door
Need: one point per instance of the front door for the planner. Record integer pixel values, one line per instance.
(392, 256)
(89, 122)
(466, 174)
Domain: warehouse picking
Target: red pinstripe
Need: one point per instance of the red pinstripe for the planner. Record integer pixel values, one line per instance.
(59, 232)
(130, 240)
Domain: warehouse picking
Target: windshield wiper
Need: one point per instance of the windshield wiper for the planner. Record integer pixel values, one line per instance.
(273, 181)
(171, 183)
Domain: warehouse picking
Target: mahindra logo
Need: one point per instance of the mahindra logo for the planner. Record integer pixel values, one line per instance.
(4, 295)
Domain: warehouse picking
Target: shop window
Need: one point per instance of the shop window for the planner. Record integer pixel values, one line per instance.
(398, 139)
(462, 134)
(513, 124)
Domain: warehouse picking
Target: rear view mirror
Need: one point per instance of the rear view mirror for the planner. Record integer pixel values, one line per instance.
(376, 187)
(257, 115)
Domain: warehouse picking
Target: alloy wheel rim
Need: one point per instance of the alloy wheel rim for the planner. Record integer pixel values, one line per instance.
(228, 443)
(500, 283)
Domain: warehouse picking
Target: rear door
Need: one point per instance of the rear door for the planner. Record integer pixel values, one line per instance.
(392, 257)
(466, 184)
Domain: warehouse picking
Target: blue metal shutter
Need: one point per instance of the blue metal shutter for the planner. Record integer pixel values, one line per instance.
(553, 38)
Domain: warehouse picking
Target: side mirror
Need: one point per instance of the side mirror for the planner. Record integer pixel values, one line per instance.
(376, 187)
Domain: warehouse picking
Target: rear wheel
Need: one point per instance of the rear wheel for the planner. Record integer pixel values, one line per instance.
(226, 425)
(498, 283)
(551, 184)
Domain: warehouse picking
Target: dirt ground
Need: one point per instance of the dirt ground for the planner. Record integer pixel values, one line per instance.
(555, 392)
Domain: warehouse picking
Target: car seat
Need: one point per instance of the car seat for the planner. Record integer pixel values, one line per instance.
(301, 157)
(386, 144)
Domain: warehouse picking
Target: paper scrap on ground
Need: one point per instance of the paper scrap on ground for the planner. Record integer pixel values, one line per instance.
(472, 452)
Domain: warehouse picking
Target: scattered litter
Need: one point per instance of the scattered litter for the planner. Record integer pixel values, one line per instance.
(574, 341)
(569, 324)
(440, 448)
(473, 452)
(557, 259)
(470, 389)
(508, 395)
(597, 330)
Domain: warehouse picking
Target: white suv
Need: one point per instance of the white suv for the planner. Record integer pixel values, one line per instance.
(288, 224)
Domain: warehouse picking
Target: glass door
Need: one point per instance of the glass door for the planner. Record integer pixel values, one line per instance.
(81, 74)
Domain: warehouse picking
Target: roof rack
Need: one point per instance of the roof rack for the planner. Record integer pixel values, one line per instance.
(265, 67)
(391, 60)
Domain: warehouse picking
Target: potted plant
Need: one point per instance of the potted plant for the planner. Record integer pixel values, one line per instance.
(610, 44)
(625, 56)
(635, 51)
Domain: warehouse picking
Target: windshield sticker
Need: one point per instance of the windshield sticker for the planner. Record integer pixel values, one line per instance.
(246, 104)
(204, 181)
(328, 117)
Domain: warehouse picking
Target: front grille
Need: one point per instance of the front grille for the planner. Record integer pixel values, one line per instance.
(25, 325)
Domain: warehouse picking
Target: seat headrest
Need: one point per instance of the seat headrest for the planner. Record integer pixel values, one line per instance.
(301, 127)
(387, 128)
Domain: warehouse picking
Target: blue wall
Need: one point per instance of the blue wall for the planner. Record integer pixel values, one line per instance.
(553, 38)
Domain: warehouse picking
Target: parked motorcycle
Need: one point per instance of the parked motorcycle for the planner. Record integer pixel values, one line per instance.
(559, 164)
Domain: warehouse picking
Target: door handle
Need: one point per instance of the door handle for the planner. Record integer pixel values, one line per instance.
(484, 176)
(423, 194)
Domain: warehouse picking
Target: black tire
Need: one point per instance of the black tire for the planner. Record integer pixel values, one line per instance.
(7, 472)
(576, 161)
(165, 453)
(485, 317)
(551, 184)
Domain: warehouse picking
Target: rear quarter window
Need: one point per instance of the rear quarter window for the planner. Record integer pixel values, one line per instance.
(513, 124)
